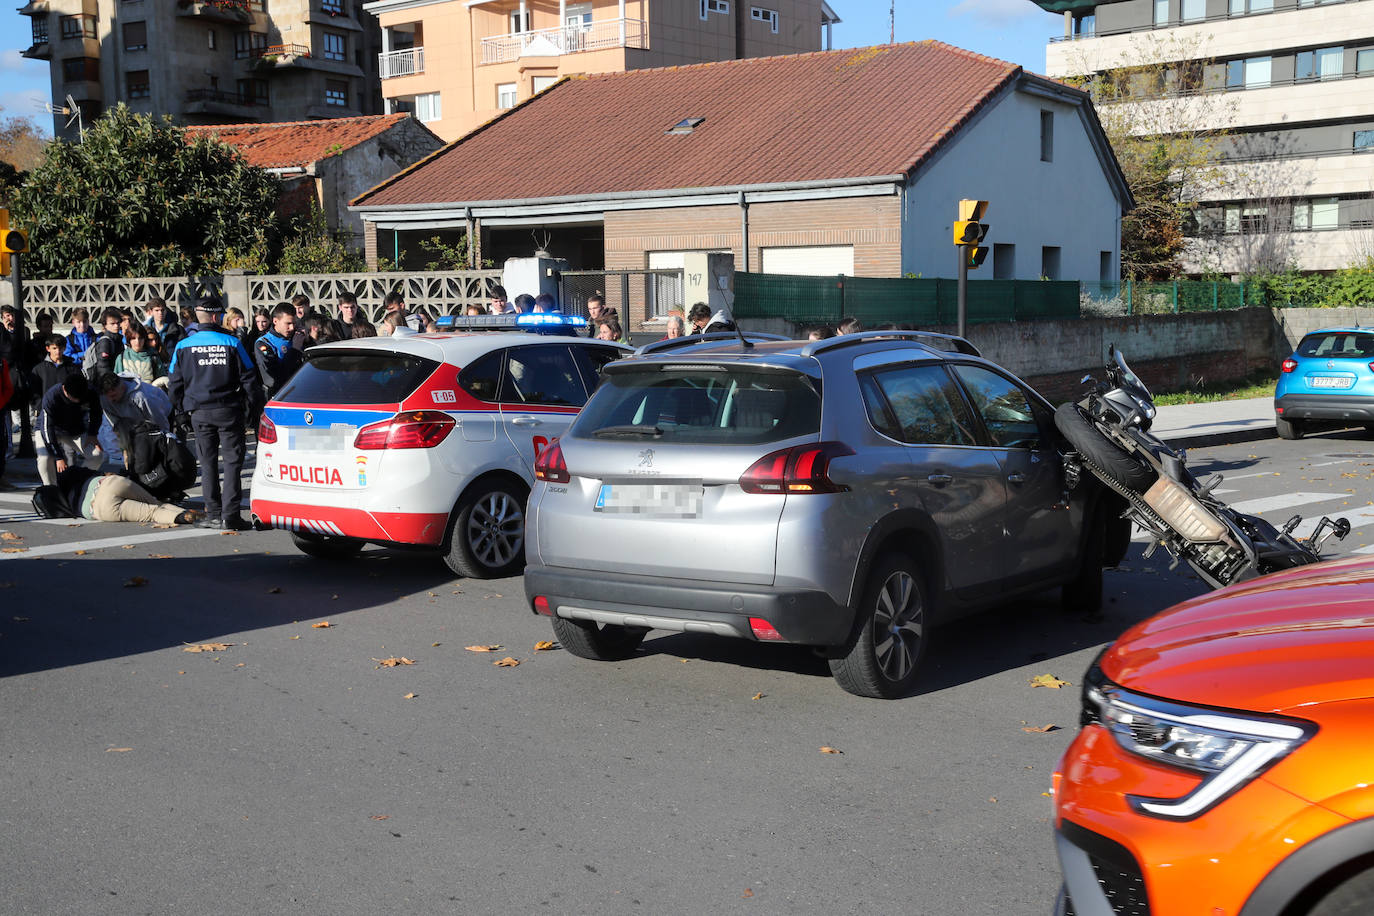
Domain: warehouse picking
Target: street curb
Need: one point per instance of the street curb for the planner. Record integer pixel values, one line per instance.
(1207, 440)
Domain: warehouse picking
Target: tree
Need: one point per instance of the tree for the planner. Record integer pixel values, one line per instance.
(310, 248)
(137, 199)
(21, 143)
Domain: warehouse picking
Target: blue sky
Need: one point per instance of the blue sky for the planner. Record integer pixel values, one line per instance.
(1014, 30)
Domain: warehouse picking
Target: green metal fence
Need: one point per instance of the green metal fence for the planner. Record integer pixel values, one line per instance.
(1170, 298)
(881, 300)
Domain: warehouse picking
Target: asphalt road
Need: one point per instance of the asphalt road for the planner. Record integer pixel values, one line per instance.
(288, 773)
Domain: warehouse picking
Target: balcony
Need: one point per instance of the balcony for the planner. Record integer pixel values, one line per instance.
(234, 11)
(274, 57)
(219, 103)
(609, 33)
(1277, 104)
(40, 49)
(34, 8)
(407, 62)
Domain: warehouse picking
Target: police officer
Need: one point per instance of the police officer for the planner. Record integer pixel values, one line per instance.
(277, 359)
(212, 378)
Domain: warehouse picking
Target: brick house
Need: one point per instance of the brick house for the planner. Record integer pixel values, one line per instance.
(831, 162)
(329, 161)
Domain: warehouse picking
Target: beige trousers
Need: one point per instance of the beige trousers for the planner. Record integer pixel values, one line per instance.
(119, 499)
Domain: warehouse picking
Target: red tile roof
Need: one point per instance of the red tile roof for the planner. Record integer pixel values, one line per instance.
(298, 143)
(827, 115)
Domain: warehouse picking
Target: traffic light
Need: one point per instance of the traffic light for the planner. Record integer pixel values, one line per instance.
(12, 241)
(968, 232)
(976, 256)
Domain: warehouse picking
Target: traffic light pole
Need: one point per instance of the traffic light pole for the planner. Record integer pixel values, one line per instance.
(963, 289)
(25, 449)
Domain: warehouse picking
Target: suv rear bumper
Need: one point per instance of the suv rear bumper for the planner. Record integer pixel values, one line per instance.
(804, 616)
(1353, 408)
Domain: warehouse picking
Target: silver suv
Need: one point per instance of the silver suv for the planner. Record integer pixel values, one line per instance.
(843, 494)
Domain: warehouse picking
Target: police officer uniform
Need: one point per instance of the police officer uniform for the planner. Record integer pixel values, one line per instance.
(212, 378)
(278, 360)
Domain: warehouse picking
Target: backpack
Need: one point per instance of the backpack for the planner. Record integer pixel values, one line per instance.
(88, 361)
(161, 464)
(49, 502)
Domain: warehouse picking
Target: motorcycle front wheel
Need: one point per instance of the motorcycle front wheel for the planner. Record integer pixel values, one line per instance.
(1084, 436)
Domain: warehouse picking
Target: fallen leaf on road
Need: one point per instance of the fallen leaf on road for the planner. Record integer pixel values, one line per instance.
(322, 625)
(239, 665)
(333, 597)
(295, 637)
(431, 594)
(135, 582)
(393, 661)
(491, 596)
(1040, 728)
(232, 534)
(435, 644)
(506, 662)
(160, 556)
(747, 893)
(993, 799)
(80, 553)
(274, 590)
(206, 647)
(11, 536)
(13, 549)
(126, 546)
(117, 750)
(480, 648)
(410, 696)
(543, 646)
(757, 696)
(381, 817)
(1048, 680)
(827, 749)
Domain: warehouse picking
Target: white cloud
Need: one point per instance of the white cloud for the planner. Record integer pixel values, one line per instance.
(996, 12)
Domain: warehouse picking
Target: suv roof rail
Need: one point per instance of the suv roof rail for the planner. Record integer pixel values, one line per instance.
(946, 342)
(687, 340)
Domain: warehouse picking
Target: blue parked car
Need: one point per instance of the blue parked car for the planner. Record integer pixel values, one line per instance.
(1328, 381)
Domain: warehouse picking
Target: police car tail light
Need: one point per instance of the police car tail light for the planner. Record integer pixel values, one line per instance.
(414, 429)
(1289, 365)
(550, 465)
(797, 470)
(267, 431)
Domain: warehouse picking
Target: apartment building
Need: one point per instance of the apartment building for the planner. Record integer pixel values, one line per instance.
(459, 63)
(208, 61)
(1289, 87)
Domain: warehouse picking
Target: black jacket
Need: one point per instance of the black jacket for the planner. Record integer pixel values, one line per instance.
(60, 415)
(211, 369)
(277, 361)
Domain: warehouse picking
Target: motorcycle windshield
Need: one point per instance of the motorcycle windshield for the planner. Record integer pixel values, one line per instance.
(1130, 381)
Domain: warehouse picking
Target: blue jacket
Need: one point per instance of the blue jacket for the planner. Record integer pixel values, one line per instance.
(277, 361)
(211, 369)
(77, 343)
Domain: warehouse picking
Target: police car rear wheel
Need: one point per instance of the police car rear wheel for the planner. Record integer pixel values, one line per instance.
(488, 537)
(326, 548)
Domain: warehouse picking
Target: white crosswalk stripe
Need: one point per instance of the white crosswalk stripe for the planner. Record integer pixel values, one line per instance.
(1284, 501)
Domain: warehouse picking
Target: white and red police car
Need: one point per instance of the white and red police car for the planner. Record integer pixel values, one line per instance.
(423, 441)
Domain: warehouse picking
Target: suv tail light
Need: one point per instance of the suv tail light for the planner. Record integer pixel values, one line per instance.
(800, 469)
(267, 431)
(1289, 364)
(414, 429)
(550, 465)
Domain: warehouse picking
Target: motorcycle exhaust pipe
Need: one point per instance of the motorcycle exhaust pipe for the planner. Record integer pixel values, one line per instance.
(1182, 512)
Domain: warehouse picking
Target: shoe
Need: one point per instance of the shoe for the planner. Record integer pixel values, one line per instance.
(237, 523)
(189, 517)
(208, 522)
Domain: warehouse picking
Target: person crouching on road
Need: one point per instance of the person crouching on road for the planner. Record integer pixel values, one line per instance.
(69, 424)
(112, 498)
(212, 378)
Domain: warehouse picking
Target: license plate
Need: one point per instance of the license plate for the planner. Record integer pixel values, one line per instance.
(335, 438)
(1330, 381)
(660, 500)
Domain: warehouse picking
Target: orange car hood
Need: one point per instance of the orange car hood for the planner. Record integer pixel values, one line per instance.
(1277, 643)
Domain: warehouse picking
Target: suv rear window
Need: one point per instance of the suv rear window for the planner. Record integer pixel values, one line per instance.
(727, 407)
(357, 378)
(1338, 345)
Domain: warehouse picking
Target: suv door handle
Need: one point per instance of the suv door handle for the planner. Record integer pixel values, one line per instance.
(1016, 477)
(939, 479)
(524, 421)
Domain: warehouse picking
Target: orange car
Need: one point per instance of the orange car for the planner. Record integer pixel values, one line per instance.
(1226, 761)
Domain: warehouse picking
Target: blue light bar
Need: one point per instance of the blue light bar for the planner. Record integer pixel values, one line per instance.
(551, 318)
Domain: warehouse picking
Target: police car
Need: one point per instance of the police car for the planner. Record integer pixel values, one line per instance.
(423, 441)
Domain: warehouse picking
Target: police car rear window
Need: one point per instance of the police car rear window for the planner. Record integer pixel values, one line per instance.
(1338, 345)
(734, 407)
(357, 378)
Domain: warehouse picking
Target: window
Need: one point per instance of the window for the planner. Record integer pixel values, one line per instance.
(919, 405)
(1003, 261)
(136, 84)
(40, 30)
(542, 375)
(1005, 409)
(540, 83)
(1104, 267)
(1317, 214)
(1364, 139)
(1194, 10)
(578, 16)
(427, 107)
(759, 14)
(1322, 64)
(1245, 218)
(334, 46)
(1161, 12)
(253, 92)
(357, 378)
(1251, 73)
(1364, 61)
(1246, 7)
(78, 26)
(247, 43)
(332, 7)
(519, 23)
(1085, 25)
(76, 69)
(135, 36)
(505, 95)
(210, 39)
(714, 6)
(258, 6)
(336, 93)
(1049, 262)
(1046, 136)
(482, 377)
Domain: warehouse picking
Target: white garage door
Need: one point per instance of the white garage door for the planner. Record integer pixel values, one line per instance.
(814, 261)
